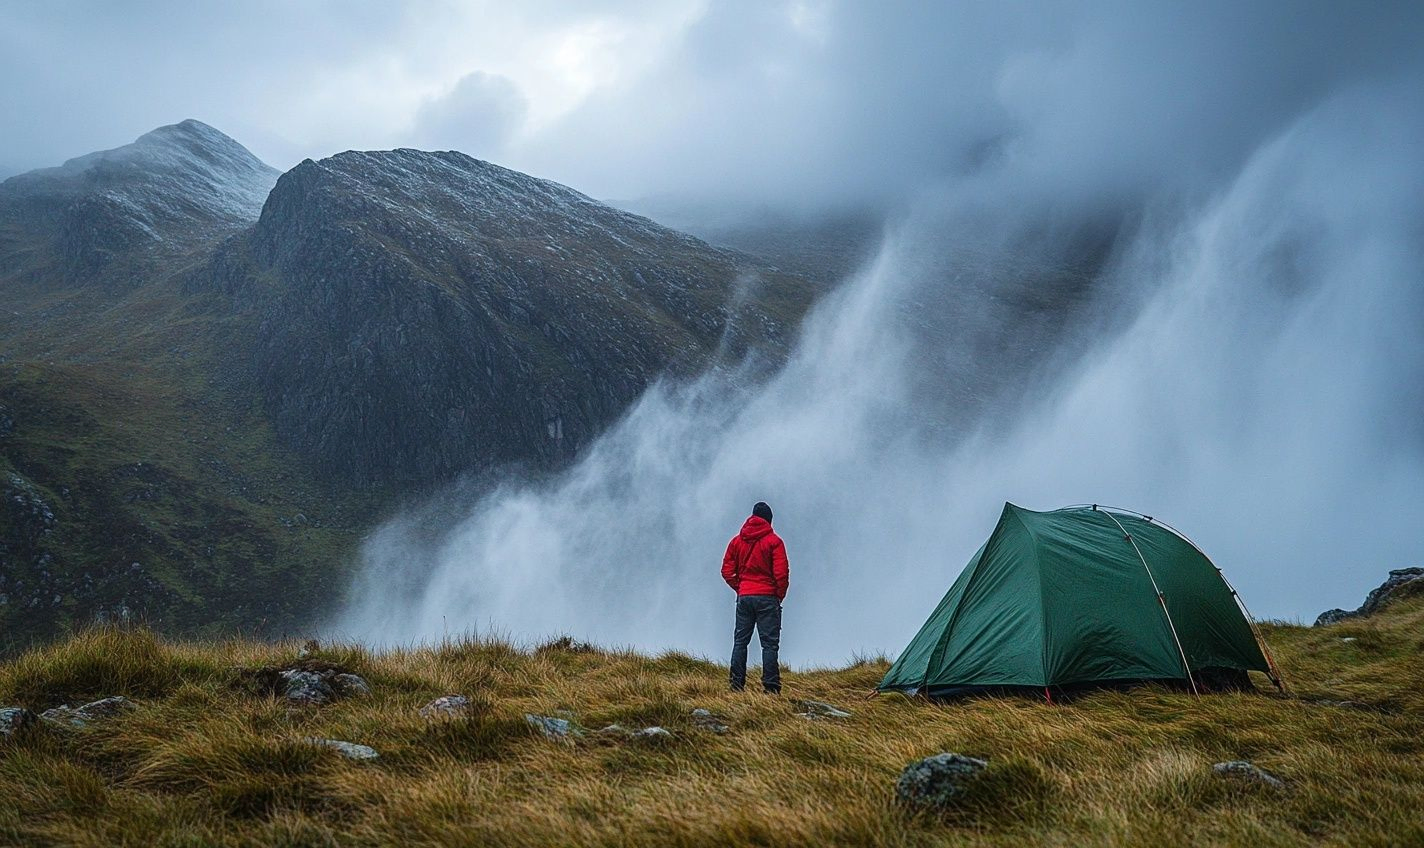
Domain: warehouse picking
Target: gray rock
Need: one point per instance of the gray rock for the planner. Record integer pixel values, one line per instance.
(937, 782)
(704, 719)
(1333, 616)
(1376, 599)
(15, 719)
(552, 728)
(77, 717)
(653, 733)
(1380, 595)
(446, 706)
(347, 685)
(306, 687)
(1242, 770)
(820, 709)
(349, 750)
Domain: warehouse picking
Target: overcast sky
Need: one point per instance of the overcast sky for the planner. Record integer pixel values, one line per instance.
(764, 100)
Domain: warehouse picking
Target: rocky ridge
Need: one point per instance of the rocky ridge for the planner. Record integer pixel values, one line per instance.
(422, 314)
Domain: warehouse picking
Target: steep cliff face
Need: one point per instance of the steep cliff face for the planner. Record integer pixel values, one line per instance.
(421, 314)
(119, 216)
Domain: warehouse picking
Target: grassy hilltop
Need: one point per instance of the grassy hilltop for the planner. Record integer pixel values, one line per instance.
(205, 759)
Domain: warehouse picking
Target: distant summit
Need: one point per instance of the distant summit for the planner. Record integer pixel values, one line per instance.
(116, 215)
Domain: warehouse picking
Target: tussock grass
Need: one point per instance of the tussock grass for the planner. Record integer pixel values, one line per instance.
(205, 760)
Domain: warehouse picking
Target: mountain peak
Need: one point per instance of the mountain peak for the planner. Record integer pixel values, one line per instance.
(173, 188)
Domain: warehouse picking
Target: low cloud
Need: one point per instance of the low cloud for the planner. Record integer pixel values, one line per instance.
(478, 116)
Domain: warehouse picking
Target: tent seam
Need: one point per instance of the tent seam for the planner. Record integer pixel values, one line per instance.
(1042, 609)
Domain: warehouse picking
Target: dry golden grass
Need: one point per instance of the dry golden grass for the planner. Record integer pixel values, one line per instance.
(202, 762)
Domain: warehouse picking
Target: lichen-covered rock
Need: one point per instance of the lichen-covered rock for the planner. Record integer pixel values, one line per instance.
(15, 719)
(820, 709)
(347, 685)
(446, 706)
(82, 716)
(552, 728)
(1242, 770)
(704, 719)
(349, 750)
(937, 782)
(306, 687)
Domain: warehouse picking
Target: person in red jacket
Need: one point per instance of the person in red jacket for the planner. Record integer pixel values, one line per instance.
(755, 567)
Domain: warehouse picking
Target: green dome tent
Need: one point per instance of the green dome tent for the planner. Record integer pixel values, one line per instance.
(1081, 596)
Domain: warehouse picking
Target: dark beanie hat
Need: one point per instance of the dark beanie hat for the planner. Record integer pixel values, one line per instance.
(761, 510)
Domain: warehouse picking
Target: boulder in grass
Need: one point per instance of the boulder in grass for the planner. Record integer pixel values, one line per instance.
(349, 750)
(658, 733)
(1249, 772)
(553, 728)
(306, 687)
(347, 685)
(445, 707)
(704, 719)
(937, 782)
(77, 717)
(13, 720)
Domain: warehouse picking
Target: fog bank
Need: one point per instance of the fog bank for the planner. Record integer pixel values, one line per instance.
(1248, 364)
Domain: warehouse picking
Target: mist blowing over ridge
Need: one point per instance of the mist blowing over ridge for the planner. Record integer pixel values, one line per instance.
(1261, 393)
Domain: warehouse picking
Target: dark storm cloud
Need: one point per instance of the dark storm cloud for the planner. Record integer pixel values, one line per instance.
(750, 100)
(871, 99)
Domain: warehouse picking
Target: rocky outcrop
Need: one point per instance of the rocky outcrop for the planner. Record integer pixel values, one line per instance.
(307, 682)
(937, 782)
(423, 314)
(14, 720)
(705, 719)
(446, 707)
(1401, 581)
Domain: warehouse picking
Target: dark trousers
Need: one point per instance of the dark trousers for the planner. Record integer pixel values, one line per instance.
(764, 613)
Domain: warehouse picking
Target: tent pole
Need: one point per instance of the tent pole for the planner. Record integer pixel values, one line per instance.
(1160, 599)
(1276, 677)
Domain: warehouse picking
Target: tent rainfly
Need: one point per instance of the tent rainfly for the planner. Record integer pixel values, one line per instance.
(1082, 596)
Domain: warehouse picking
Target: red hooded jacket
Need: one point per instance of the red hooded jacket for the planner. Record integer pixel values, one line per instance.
(755, 562)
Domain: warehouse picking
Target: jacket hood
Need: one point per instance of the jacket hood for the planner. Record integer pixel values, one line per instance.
(755, 528)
